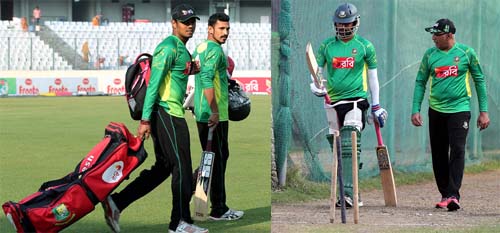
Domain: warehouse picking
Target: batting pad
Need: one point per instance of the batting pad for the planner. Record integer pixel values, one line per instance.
(345, 138)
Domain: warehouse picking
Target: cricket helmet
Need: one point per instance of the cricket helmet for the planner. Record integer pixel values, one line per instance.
(344, 14)
(239, 103)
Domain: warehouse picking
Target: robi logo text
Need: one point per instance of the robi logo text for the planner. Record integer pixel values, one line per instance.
(446, 71)
(343, 62)
(113, 173)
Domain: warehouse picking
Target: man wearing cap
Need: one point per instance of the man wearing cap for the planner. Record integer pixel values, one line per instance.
(351, 63)
(211, 109)
(163, 119)
(449, 66)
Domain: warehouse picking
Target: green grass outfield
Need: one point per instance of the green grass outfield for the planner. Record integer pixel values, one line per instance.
(43, 138)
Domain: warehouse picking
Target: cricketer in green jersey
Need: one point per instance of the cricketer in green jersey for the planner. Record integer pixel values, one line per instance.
(449, 66)
(211, 109)
(351, 66)
(163, 119)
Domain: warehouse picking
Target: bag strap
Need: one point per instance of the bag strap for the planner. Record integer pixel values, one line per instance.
(64, 180)
(114, 131)
(141, 55)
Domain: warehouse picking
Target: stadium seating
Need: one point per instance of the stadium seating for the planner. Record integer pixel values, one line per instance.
(25, 51)
(117, 44)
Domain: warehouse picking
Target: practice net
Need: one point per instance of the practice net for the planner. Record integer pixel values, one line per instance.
(396, 28)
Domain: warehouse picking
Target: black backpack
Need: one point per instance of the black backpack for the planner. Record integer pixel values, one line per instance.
(136, 83)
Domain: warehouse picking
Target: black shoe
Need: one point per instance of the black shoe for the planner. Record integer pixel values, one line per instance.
(453, 204)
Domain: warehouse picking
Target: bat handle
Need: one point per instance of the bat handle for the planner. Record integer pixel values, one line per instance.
(327, 99)
(209, 138)
(379, 135)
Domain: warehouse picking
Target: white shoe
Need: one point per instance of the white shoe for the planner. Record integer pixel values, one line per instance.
(111, 214)
(348, 202)
(185, 227)
(229, 215)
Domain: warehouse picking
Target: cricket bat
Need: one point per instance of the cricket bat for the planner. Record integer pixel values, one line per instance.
(386, 175)
(204, 180)
(314, 69)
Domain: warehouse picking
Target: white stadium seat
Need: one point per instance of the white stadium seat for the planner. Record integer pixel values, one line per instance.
(248, 44)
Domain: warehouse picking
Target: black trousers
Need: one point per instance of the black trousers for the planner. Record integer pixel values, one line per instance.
(448, 134)
(221, 149)
(173, 156)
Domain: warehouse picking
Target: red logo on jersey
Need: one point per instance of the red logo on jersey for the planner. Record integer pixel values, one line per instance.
(343, 62)
(446, 71)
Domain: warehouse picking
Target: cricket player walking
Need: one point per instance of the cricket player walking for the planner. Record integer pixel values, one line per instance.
(351, 63)
(163, 119)
(449, 66)
(211, 109)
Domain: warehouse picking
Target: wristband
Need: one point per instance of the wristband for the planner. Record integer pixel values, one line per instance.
(375, 107)
(143, 122)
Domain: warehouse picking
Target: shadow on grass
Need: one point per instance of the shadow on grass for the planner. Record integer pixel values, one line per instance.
(254, 220)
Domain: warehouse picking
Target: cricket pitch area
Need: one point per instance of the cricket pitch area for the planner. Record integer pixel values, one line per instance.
(480, 211)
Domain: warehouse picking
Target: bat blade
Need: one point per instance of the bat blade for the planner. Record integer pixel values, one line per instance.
(200, 201)
(386, 175)
(313, 66)
(204, 180)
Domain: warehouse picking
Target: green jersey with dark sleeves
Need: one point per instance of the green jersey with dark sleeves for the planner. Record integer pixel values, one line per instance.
(169, 75)
(213, 74)
(449, 73)
(346, 65)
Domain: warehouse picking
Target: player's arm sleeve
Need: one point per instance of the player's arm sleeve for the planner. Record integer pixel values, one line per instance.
(420, 83)
(371, 62)
(479, 81)
(162, 62)
(374, 85)
(207, 77)
(208, 68)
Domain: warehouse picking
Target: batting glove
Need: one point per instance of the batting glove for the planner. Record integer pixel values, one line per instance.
(319, 92)
(379, 114)
(369, 119)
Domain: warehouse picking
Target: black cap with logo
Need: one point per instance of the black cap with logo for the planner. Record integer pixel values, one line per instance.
(183, 13)
(442, 26)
